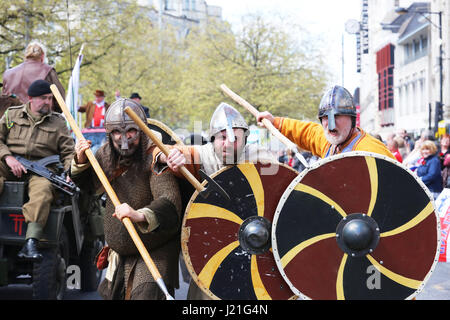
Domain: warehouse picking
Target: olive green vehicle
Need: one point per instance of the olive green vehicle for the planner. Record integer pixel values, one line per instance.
(72, 237)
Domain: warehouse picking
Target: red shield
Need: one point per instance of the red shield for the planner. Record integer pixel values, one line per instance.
(356, 226)
(227, 245)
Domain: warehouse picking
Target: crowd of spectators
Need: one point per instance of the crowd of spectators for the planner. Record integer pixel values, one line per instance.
(428, 157)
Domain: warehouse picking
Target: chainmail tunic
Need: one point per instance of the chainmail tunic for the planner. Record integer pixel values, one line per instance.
(135, 185)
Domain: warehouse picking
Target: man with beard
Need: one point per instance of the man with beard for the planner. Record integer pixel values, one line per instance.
(228, 135)
(151, 201)
(337, 133)
(34, 132)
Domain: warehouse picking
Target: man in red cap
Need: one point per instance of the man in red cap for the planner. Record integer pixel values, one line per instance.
(95, 110)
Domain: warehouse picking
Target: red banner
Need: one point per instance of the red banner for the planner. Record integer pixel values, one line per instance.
(444, 253)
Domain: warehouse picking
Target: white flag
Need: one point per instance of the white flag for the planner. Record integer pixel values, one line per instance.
(74, 83)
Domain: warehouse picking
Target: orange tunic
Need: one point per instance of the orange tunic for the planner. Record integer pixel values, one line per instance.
(310, 136)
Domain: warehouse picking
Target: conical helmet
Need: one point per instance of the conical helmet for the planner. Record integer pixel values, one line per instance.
(226, 118)
(336, 101)
(117, 119)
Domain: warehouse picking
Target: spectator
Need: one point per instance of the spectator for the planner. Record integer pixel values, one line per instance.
(136, 97)
(282, 156)
(401, 146)
(292, 161)
(95, 110)
(444, 156)
(445, 147)
(413, 158)
(17, 80)
(392, 145)
(377, 136)
(409, 142)
(429, 169)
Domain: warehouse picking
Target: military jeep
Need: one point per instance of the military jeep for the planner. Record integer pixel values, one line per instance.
(72, 236)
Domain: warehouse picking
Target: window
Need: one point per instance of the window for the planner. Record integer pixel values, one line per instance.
(416, 46)
(385, 70)
(407, 51)
(416, 49)
(424, 43)
(168, 5)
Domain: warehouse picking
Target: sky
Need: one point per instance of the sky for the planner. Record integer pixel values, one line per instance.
(324, 18)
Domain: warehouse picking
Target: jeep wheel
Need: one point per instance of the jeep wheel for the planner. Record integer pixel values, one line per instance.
(49, 275)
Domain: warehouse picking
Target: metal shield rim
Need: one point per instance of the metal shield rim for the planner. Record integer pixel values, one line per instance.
(185, 230)
(322, 162)
(185, 238)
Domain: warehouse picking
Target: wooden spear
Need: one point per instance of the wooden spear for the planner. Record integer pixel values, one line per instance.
(274, 131)
(112, 195)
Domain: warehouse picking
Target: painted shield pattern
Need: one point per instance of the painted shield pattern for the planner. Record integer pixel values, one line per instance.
(227, 244)
(356, 226)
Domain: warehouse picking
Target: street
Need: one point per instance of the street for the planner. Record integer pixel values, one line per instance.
(437, 288)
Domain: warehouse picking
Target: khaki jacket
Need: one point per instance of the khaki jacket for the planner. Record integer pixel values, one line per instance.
(33, 139)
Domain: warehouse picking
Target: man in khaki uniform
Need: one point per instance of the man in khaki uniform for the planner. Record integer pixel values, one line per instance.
(33, 131)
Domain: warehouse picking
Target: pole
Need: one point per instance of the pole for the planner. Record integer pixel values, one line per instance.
(441, 78)
(68, 28)
(343, 64)
(269, 126)
(439, 105)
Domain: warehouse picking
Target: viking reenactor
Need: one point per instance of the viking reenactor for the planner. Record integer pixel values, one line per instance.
(34, 132)
(151, 201)
(337, 132)
(228, 135)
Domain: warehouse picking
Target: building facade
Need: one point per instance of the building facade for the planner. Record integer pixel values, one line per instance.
(405, 74)
(181, 14)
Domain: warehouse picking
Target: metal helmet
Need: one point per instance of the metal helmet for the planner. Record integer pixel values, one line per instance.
(225, 117)
(336, 101)
(116, 119)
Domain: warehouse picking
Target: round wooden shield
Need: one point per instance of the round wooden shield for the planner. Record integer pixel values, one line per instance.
(227, 244)
(356, 226)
